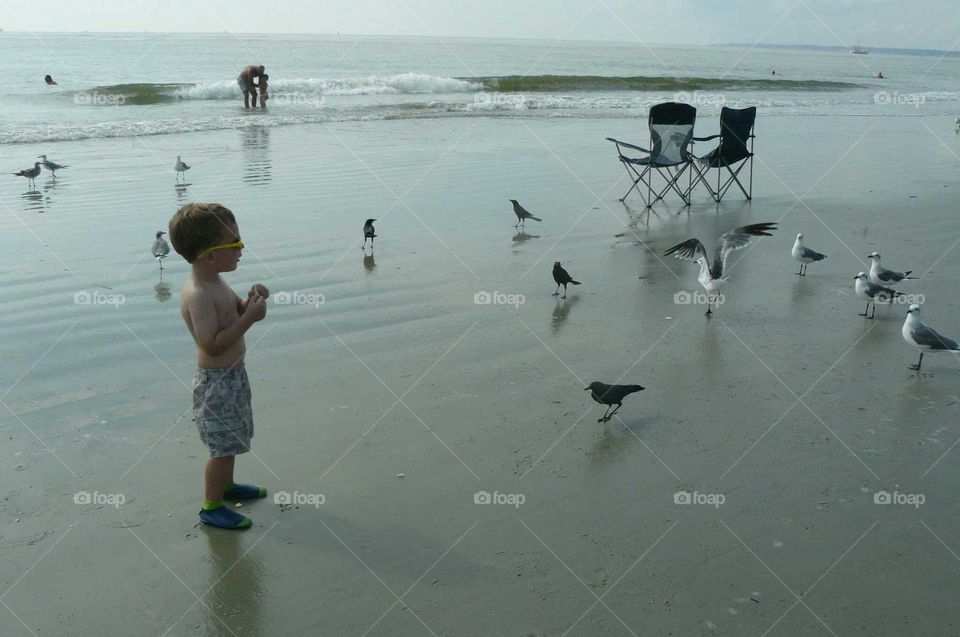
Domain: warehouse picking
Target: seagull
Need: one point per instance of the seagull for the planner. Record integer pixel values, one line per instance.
(872, 292)
(180, 167)
(711, 276)
(30, 173)
(610, 395)
(804, 255)
(562, 277)
(522, 213)
(51, 166)
(160, 248)
(368, 233)
(926, 338)
(883, 276)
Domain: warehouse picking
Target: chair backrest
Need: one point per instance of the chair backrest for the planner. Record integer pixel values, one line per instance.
(736, 127)
(671, 129)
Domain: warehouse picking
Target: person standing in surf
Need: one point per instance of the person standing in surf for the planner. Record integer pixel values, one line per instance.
(245, 80)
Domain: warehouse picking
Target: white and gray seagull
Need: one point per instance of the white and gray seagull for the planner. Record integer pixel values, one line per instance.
(181, 167)
(160, 248)
(925, 338)
(711, 275)
(52, 166)
(804, 255)
(872, 292)
(30, 173)
(883, 276)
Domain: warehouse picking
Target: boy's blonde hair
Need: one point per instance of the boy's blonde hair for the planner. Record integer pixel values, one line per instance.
(198, 226)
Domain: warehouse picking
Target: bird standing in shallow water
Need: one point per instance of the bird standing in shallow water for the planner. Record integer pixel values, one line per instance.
(160, 249)
(882, 276)
(368, 233)
(610, 395)
(562, 277)
(53, 167)
(872, 292)
(804, 255)
(711, 275)
(925, 338)
(181, 167)
(522, 213)
(30, 173)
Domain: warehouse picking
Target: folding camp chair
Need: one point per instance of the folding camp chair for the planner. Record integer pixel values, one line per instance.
(736, 128)
(671, 132)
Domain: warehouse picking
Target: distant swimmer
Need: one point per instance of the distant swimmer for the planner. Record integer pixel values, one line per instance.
(773, 72)
(247, 85)
(880, 76)
(49, 80)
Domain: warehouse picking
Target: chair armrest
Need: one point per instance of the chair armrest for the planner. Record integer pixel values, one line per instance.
(619, 143)
(705, 139)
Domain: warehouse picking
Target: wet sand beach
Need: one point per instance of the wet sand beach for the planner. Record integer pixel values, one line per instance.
(786, 404)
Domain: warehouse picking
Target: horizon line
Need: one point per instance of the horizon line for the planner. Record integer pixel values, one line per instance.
(480, 37)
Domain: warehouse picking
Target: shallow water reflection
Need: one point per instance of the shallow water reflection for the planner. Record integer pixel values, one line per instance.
(257, 170)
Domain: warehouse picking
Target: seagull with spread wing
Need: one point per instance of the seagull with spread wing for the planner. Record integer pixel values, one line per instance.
(712, 275)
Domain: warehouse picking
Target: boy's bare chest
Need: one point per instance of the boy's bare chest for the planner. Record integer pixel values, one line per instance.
(226, 303)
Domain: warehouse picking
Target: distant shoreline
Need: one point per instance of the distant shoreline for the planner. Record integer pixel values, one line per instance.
(808, 47)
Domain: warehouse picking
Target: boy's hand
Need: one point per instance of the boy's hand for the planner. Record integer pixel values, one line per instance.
(259, 288)
(256, 308)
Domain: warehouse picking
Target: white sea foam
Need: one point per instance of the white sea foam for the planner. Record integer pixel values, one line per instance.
(403, 83)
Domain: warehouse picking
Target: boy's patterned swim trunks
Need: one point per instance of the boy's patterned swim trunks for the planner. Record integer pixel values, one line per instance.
(221, 409)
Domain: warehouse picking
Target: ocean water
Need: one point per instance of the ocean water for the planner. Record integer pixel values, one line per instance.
(119, 85)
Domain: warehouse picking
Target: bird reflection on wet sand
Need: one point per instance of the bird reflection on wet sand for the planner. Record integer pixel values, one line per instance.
(162, 291)
(368, 261)
(561, 310)
(33, 201)
(521, 236)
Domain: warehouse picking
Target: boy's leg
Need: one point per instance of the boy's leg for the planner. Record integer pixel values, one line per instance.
(218, 475)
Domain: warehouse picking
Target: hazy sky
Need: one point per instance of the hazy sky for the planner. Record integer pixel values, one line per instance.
(888, 23)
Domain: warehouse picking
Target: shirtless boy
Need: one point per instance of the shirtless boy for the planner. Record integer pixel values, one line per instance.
(207, 236)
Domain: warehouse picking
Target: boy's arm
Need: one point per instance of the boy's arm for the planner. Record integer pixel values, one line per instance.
(214, 341)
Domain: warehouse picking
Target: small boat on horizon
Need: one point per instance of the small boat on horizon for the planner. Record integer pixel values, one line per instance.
(858, 50)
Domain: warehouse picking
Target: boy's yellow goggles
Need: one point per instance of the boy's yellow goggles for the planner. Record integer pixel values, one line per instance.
(226, 246)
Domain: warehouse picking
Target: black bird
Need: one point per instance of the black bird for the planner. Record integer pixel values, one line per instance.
(368, 232)
(562, 277)
(522, 213)
(610, 395)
